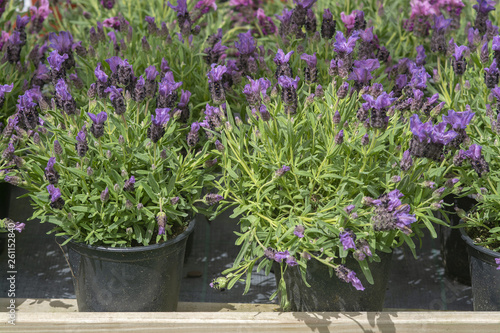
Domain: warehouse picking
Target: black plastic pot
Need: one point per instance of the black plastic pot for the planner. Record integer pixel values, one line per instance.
(453, 249)
(4, 200)
(4, 211)
(136, 279)
(485, 277)
(330, 293)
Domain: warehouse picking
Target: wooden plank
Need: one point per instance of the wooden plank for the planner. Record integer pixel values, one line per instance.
(434, 322)
(69, 305)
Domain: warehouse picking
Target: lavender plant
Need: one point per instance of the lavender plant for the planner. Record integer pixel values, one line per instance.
(112, 174)
(322, 184)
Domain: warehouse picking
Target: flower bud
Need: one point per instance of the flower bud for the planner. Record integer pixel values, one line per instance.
(219, 283)
(121, 140)
(395, 179)
(90, 172)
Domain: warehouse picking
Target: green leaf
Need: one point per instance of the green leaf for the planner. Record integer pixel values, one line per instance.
(366, 271)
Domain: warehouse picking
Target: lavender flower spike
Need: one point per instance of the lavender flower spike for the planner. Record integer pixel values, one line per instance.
(54, 193)
(97, 128)
(246, 43)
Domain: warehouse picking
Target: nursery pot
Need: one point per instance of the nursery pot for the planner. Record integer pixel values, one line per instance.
(134, 279)
(485, 277)
(453, 249)
(4, 199)
(330, 293)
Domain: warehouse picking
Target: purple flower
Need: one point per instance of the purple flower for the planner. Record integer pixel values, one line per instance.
(309, 59)
(213, 198)
(150, 19)
(5, 89)
(184, 100)
(21, 22)
(195, 127)
(108, 4)
(347, 275)
(62, 42)
(98, 119)
(54, 193)
(363, 250)
(113, 92)
(419, 78)
(286, 16)
(255, 88)
(342, 45)
(282, 58)
(162, 117)
(286, 82)
(164, 66)
(459, 50)
(112, 36)
(100, 74)
(382, 102)
(55, 60)
(493, 69)
(420, 60)
(401, 81)
(114, 62)
(152, 73)
(181, 7)
(495, 46)
(327, 14)
(348, 20)
(205, 5)
(215, 74)
(266, 23)
(168, 84)
(299, 231)
(458, 120)
(38, 15)
(62, 90)
(440, 24)
(496, 92)
(81, 137)
(349, 209)
(484, 6)
(367, 35)
(347, 240)
(112, 22)
(474, 152)
(285, 255)
(428, 133)
(281, 171)
(497, 261)
(50, 164)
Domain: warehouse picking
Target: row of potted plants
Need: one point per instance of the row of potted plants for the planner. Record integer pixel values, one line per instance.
(331, 141)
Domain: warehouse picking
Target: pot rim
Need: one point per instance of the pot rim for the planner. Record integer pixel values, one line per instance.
(136, 249)
(478, 248)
